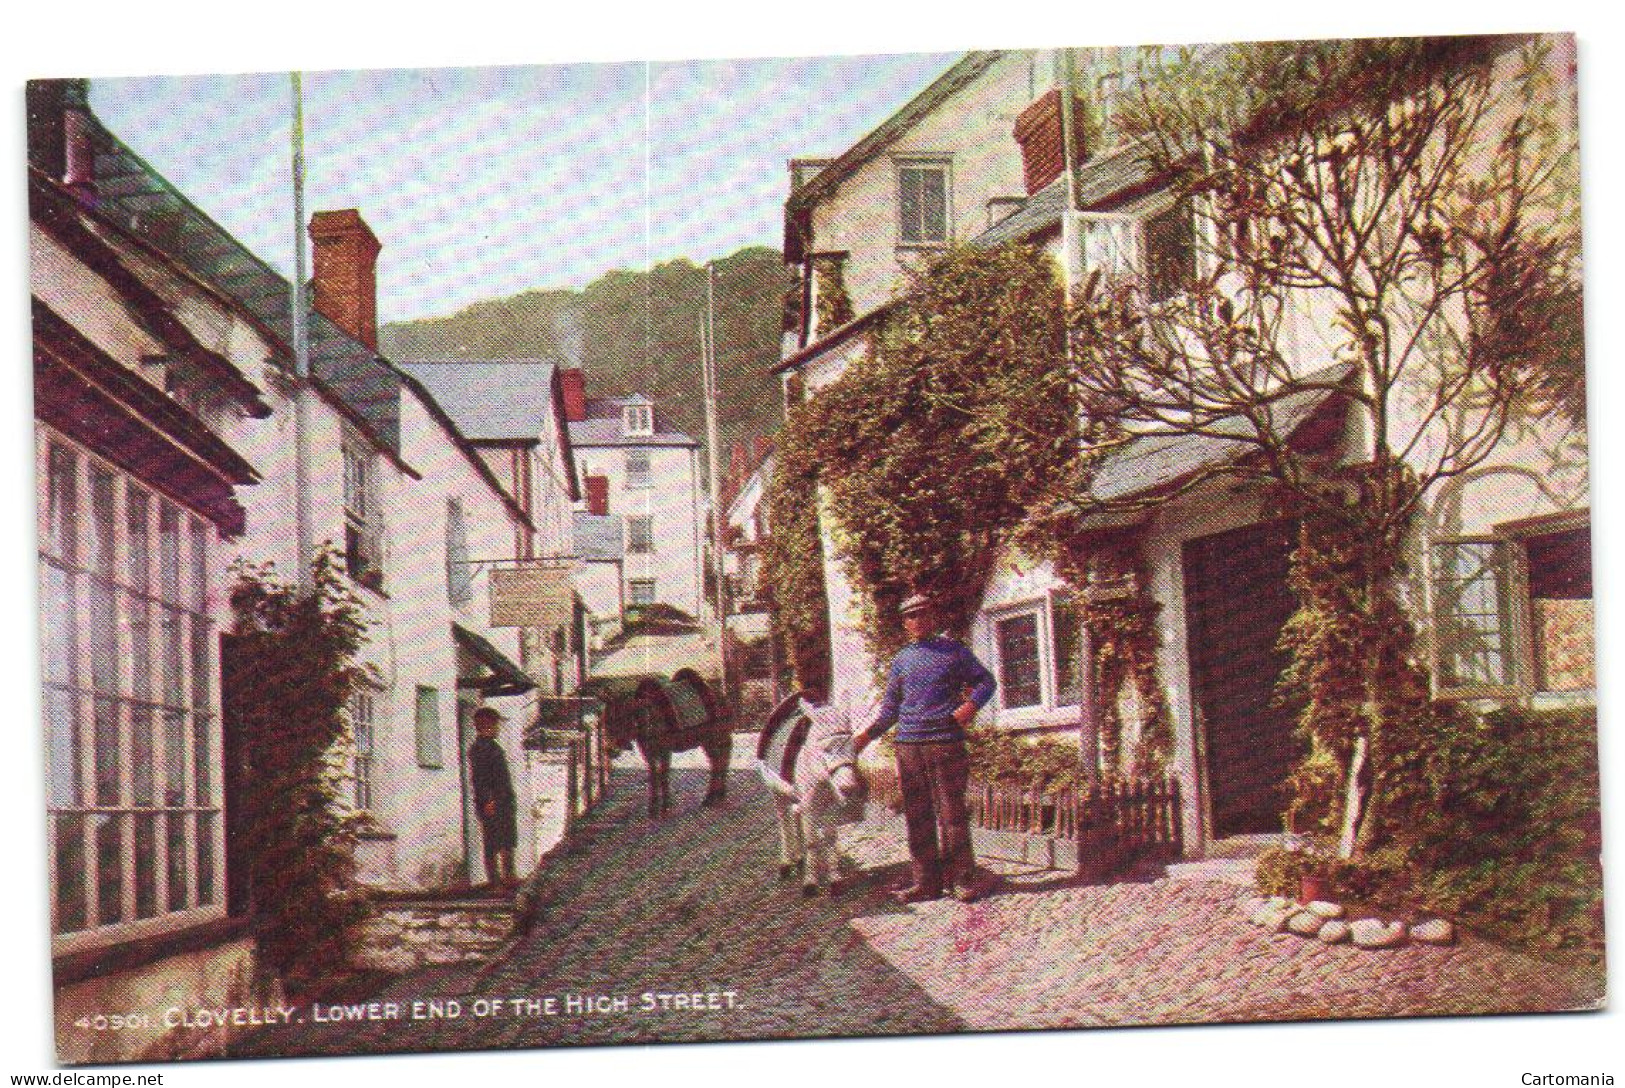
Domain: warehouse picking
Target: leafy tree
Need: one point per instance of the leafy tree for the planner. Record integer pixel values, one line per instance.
(1423, 194)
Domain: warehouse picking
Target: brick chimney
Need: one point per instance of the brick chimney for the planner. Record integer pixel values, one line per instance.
(574, 383)
(598, 495)
(346, 272)
(1038, 131)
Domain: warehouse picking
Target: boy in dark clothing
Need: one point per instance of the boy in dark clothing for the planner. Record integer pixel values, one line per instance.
(934, 689)
(493, 798)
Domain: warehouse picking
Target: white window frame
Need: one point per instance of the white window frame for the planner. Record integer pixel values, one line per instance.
(1143, 229)
(941, 164)
(1034, 609)
(155, 677)
(1047, 709)
(363, 513)
(459, 570)
(426, 731)
(638, 419)
(364, 716)
(1523, 670)
(1518, 667)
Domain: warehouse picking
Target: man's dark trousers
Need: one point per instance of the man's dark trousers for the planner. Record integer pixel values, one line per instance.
(933, 776)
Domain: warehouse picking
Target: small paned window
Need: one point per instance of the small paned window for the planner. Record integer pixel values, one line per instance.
(641, 591)
(638, 419)
(361, 724)
(637, 469)
(363, 531)
(922, 203)
(640, 536)
(131, 702)
(1066, 644)
(1473, 616)
(1170, 252)
(1020, 679)
(459, 571)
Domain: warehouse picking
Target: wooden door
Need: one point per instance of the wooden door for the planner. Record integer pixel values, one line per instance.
(1236, 603)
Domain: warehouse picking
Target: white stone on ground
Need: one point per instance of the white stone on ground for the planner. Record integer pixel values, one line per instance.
(1375, 933)
(1434, 931)
(1327, 910)
(1335, 931)
(1305, 923)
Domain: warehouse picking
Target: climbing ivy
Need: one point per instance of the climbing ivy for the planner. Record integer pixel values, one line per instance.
(288, 673)
(832, 305)
(932, 445)
(932, 452)
(793, 556)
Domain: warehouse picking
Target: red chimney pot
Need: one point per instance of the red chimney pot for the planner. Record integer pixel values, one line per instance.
(346, 272)
(574, 384)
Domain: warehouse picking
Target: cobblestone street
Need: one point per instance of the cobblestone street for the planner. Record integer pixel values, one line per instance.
(690, 905)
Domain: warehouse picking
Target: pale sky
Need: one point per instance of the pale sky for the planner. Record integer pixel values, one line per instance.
(484, 182)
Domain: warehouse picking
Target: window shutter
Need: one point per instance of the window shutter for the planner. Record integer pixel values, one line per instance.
(428, 728)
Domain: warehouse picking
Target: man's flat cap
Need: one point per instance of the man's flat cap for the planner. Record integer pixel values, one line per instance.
(917, 603)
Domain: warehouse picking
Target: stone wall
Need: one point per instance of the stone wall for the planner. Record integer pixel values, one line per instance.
(404, 936)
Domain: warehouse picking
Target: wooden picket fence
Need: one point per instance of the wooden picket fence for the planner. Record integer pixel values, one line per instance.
(1111, 824)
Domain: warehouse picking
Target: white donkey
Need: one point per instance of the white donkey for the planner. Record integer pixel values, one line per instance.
(806, 758)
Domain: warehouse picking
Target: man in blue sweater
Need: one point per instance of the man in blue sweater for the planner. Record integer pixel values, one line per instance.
(935, 688)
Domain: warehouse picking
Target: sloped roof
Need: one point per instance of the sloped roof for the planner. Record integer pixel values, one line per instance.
(609, 432)
(491, 400)
(598, 537)
(1151, 463)
(136, 197)
(949, 83)
(1103, 182)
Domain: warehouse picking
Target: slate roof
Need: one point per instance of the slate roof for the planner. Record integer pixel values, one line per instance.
(608, 432)
(133, 195)
(1102, 183)
(598, 537)
(958, 75)
(1153, 462)
(491, 400)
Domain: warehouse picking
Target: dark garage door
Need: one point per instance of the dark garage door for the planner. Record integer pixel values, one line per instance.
(1236, 602)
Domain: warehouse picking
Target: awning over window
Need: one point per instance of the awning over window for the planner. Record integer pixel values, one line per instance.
(1146, 466)
(493, 674)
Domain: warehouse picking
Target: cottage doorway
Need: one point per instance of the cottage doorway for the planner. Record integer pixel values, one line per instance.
(1236, 603)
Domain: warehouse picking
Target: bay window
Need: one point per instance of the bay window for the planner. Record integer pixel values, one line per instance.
(131, 705)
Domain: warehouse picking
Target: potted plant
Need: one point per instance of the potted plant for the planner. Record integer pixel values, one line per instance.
(1302, 868)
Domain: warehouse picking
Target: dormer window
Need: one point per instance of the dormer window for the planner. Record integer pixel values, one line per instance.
(638, 419)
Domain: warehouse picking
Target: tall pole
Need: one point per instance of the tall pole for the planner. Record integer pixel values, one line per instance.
(708, 363)
(1071, 243)
(303, 534)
